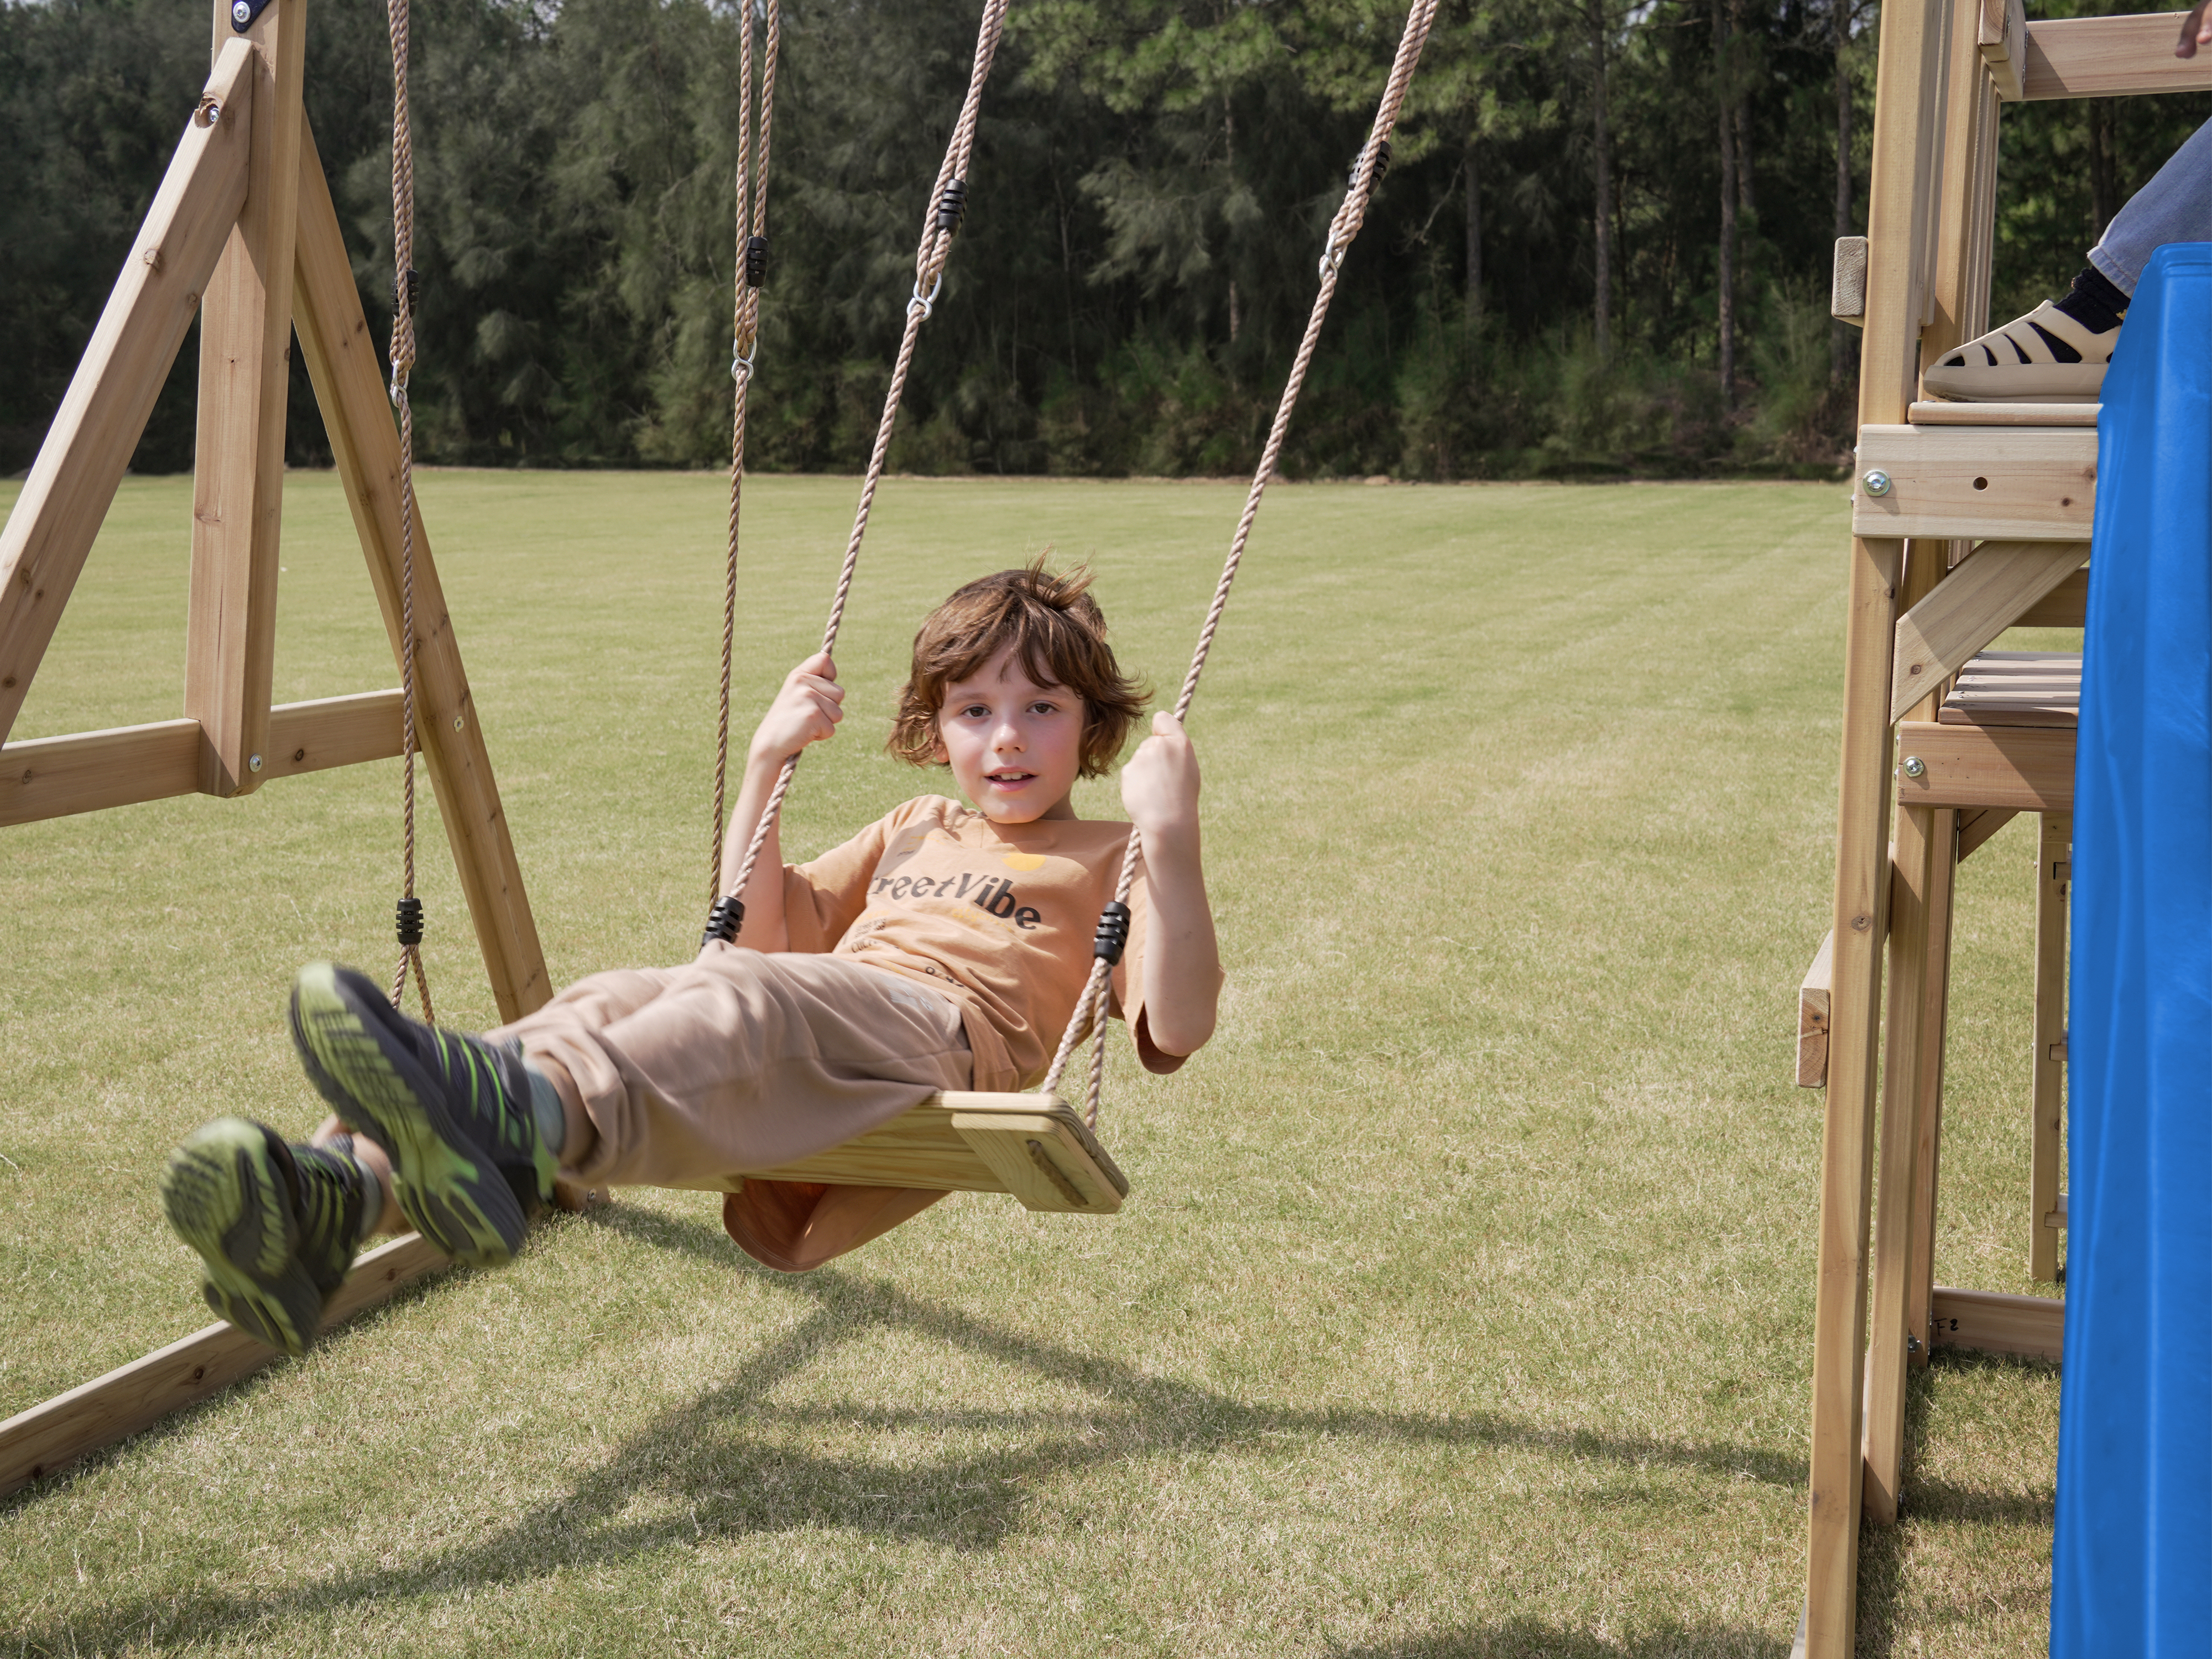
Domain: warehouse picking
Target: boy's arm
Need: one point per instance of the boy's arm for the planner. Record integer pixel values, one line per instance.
(806, 710)
(1180, 964)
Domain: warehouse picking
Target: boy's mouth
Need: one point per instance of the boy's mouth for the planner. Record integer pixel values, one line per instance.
(1008, 776)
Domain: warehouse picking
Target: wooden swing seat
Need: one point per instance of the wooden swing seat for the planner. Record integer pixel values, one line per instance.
(1036, 1147)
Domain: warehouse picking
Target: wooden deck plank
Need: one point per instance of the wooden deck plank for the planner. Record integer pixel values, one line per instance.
(1999, 484)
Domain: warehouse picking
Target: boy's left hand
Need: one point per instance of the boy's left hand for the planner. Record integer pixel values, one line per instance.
(1160, 786)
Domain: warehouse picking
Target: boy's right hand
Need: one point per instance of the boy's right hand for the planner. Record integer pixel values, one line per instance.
(807, 710)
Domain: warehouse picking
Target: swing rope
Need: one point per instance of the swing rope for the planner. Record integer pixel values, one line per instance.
(409, 909)
(940, 224)
(1374, 161)
(750, 267)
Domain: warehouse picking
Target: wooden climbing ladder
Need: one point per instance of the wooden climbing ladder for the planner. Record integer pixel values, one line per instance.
(1966, 519)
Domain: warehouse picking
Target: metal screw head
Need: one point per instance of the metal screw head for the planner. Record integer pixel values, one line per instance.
(1914, 767)
(457, 722)
(1912, 1345)
(253, 763)
(1876, 482)
(241, 14)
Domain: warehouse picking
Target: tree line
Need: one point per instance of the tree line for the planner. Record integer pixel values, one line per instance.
(1602, 245)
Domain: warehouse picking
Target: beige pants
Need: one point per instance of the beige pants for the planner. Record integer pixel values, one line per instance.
(741, 1060)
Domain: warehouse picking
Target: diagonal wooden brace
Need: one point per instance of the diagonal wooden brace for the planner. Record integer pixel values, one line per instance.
(1994, 586)
(72, 483)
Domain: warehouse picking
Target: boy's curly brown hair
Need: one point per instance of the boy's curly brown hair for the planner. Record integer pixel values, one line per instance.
(1055, 624)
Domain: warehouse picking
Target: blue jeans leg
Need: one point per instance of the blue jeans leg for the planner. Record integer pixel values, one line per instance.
(2175, 206)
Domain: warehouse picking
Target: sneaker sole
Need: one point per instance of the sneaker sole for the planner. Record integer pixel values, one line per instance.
(226, 1197)
(455, 1198)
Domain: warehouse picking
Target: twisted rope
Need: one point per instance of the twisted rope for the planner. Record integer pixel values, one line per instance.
(403, 364)
(936, 246)
(1342, 230)
(745, 332)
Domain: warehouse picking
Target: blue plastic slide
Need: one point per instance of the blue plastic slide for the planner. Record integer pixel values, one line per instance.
(2132, 1567)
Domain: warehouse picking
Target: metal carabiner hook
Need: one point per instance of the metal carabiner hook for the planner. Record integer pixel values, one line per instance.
(926, 306)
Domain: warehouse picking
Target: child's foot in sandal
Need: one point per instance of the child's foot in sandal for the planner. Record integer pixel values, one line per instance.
(2058, 353)
(469, 1159)
(275, 1226)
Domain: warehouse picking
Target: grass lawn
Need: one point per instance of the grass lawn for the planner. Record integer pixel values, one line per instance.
(1464, 1304)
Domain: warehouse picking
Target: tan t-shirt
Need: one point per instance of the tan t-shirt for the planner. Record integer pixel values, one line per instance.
(1000, 916)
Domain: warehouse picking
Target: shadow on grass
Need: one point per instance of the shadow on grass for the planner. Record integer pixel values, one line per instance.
(1529, 1639)
(707, 1477)
(1884, 1551)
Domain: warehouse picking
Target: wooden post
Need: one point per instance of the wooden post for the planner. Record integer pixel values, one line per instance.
(72, 483)
(1909, 86)
(1928, 1097)
(238, 488)
(2054, 871)
(342, 360)
(1926, 841)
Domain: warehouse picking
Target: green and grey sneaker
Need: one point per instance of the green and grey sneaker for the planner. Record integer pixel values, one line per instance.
(468, 1162)
(275, 1226)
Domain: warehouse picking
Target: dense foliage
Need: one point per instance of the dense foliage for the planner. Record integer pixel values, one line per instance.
(1151, 182)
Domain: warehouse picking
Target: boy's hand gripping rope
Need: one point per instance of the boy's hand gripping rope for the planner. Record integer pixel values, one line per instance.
(751, 272)
(1374, 158)
(406, 289)
(940, 225)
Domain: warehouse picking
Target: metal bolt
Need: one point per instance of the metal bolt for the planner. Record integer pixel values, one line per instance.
(253, 763)
(1876, 482)
(1914, 767)
(1912, 1345)
(457, 722)
(241, 14)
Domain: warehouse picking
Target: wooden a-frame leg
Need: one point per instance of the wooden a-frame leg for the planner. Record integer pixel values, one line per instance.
(72, 483)
(237, 484)
(2055, 854)
(342, 362)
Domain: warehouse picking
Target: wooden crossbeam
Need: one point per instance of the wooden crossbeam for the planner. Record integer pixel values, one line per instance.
(36, 1442)
(72, 483)
(1812, 1016)
(1996, 584)
(2026, 768)
(1998, 483)
(1997, 1323)
(2110, 57)
(126, 765)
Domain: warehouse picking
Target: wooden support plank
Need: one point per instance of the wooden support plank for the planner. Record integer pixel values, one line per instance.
(1908, 98)
(1976, 824)
(1928, 1097)
(926, 1147)
(36, 1442)
(91, 771)
(237, 483)
(1996, 1324)
(2110, 57)
(2047, 1132)
(2003, 40)
(72, 483)
(1812, 1018)
(1996, 584)
(2001, 483)
(2066, 605)
(2016, 688)
(1936, 413)
(2026, 768)
(349, 381)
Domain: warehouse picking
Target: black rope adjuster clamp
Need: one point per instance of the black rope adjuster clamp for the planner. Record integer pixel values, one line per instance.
(755, 261)
(409, 918)
(724, 920)
(952, 207)
(1112, 935)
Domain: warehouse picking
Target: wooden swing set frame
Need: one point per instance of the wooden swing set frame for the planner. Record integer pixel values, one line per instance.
(243, 233)
(1967, 520)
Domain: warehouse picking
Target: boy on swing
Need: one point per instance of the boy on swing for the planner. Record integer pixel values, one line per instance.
(943, 947)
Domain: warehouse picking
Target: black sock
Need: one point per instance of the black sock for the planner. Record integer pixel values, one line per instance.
(2096, 301)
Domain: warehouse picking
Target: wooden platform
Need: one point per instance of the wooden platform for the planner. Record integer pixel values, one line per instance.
(1936, 412)
(2003, 738)
(2007, 482)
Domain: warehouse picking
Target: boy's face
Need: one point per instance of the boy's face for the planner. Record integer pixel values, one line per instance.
(1015, 747)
